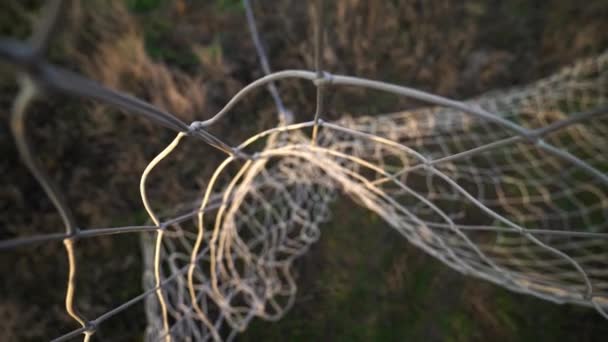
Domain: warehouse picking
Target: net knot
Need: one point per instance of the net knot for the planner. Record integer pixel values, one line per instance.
(534, 137)
(73, 234)
(539, 141)
(237, 153)
(195, 126)
(324, 79)
(90, 327)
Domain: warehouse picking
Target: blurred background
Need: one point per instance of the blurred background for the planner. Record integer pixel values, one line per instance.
(362, 281)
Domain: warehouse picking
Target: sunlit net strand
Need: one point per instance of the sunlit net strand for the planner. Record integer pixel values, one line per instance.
(49, 77)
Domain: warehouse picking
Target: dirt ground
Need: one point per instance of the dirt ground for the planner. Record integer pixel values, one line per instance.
(189, 57)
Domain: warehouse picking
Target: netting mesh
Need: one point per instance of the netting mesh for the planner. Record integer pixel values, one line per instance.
(510, 187)
(510, 213)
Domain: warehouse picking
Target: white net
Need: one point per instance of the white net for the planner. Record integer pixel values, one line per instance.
(469, 192)
(510, 187)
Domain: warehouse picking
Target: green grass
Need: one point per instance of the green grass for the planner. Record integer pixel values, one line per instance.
(144, 5)
(364, 282)
(230, 5)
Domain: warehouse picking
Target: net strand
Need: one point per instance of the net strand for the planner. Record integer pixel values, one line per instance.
(285, 116)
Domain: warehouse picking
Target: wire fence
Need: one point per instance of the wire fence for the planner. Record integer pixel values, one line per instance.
(530, 163)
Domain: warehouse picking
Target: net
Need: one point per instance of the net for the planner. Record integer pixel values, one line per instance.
(508, 187)
(467, 191)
